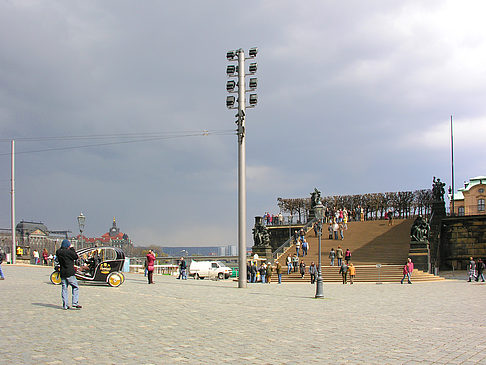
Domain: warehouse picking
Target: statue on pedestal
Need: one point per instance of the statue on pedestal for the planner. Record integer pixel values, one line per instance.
(438, 190)
(261, 237)
(420, 230)
(315, 198)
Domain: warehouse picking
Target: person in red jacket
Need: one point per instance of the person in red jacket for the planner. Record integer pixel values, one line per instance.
(407, 271)
(150, 266)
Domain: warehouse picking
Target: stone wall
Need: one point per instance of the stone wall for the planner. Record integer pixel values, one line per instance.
(461, 238)
(280, 234)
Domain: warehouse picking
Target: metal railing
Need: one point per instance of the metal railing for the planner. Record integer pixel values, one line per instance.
(279, 251)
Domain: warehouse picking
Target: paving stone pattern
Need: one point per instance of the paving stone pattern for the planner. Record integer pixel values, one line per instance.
(214, 322)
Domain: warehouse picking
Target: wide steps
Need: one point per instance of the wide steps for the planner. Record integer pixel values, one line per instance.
(364, 273)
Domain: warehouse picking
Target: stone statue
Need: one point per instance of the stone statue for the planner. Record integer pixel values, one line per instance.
(438, 190)
(315, 197)
(420, 230)
(261, 237)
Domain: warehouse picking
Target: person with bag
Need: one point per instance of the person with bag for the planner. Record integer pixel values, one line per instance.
(150, 266)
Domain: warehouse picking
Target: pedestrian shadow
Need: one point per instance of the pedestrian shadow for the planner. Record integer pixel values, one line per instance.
(48, 305)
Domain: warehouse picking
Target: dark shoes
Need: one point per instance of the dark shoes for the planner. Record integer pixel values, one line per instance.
(66, 308)
(77, 306)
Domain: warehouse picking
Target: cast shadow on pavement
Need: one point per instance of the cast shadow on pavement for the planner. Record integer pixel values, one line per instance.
(48, 305)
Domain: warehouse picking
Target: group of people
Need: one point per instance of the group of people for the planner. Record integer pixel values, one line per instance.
(475, 270)
(273, 219)
(265, 270)
(47, 258)
(339, 255)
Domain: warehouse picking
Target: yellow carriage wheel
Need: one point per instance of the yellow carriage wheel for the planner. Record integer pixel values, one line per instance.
(115, 279)
(56, 278)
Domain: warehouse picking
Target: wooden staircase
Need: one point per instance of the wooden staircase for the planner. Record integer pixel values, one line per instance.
(370, 243)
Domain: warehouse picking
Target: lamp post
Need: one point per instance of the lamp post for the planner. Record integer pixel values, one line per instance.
(81, 222)
(239, 72)
(318, 211)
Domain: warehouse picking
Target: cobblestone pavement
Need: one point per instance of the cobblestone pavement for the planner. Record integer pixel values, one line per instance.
(214, 322)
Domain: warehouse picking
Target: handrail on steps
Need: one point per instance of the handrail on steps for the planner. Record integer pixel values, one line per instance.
(280, 251)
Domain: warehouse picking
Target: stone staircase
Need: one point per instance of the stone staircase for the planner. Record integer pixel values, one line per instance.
(370, 243)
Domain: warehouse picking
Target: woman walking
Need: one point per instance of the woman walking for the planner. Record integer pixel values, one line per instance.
(150, 266)
(313, 272)
(347, 256)
(352, 272)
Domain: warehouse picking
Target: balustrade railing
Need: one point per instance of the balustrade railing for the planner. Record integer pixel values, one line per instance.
(279, 251)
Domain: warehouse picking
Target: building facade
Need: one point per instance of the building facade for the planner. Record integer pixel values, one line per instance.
(114, 237)
(470, 200)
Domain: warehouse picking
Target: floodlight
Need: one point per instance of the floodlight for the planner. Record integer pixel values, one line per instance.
(253, 99)
(253, 52)
(230, 70)
(253, 83)
(230, 55)
(230, 101)
(230, 86)
(252, 68)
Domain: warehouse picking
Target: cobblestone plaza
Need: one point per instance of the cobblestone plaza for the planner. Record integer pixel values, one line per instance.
(214, 322)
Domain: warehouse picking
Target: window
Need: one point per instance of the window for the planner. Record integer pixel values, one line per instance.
(480, 205)
(481, 190)
(460, 211)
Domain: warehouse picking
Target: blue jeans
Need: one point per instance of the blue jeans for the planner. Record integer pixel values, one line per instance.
(336, 235)
(332, 261)
(263, 278)
(280, 278)
(340, 261)
(289, 269)
(297, 249)
(407, 275)
(1, 272)
(71, 280)
(253, 278)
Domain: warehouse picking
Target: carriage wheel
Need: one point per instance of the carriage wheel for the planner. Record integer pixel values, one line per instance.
(56, 278)
(115, 279)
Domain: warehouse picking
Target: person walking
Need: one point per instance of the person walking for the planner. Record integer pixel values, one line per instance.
(182, 269)
(305, 247)
(35, 254)
(66, 255)
(45, 256)
(341, 231)
(312, 272)
(352, 272)
(2, 258)
(472, 269)
(407, 271)
(332, 256)
(278, 271)
(302, 268)
(480, 268)
(289, 265)
(343, 270)
(347, 256)
(339, 255)
(263, 272)
(269, 273)
(330, 230)
(295, 262)
(150, 266)
(297, 247)
(335, 229)
(253, 272)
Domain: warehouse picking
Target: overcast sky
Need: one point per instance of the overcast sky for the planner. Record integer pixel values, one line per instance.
(353, 97)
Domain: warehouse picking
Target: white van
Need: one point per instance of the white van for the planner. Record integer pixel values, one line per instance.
(209, 269)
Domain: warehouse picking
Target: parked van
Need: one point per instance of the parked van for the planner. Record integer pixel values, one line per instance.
(209, 269)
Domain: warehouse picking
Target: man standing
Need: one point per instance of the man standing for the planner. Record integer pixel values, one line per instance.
(480, 269)
(278, 270)
(66, 256)
(339, 255)
(182, 269)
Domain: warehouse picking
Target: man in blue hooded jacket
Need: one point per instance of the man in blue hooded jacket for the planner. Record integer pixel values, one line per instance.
(66, 256)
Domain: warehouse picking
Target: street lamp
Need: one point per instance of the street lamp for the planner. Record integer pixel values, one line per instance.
(239, 72)
(318, 211)
(81, 222)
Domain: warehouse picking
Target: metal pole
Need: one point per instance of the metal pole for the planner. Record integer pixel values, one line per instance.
(452, 168)
(242, 277)
(319, 288)
(12, 206)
